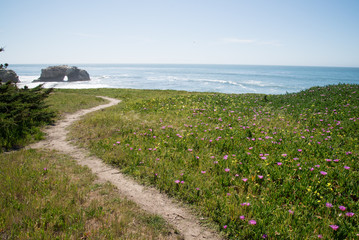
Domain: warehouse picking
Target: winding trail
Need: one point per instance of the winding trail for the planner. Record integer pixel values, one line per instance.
(147, 198)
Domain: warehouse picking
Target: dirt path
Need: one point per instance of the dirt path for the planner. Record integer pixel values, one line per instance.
(147, 198)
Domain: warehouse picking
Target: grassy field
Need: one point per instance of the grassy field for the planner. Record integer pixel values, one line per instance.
(276, 166)
(46, 195)
(68, 101)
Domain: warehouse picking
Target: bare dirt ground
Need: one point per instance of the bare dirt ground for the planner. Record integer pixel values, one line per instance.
(147, 198)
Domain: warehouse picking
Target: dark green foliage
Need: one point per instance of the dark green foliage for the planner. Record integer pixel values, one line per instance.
(22, 110)
(3, 65)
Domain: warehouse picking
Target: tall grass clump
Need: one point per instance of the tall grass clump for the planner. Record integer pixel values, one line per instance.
(276, 166)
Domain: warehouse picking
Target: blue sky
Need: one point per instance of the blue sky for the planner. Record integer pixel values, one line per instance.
(259, 32)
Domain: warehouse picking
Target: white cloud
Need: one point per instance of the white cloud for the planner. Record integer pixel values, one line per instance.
(249, 41)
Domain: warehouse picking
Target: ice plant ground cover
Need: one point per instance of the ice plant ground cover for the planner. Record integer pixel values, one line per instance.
(276, 166)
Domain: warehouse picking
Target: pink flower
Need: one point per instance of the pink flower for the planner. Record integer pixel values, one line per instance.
(346, 167)
(244, 179)
(182, 182)
(177, 181)
(203, 172)
(311, 169)
(242, 217)
(279, 163)
(227, 169)
(323, 173)
(299, 150)
(349, 214)
(320, 236)
(252, 222)
(260, 176)
(334, 227)
(284, 154)
(225, 226)
(342, 208)
(329, 205)
(190, 150)
(290, 211)
(225, 157)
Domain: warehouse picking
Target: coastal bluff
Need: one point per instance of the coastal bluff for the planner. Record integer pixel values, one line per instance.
(61, 72)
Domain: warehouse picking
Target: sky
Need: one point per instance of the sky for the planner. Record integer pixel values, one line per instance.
(251, 32)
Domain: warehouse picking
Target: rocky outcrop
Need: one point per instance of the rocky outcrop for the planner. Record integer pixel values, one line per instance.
(7, 75)
(58, 74)
(75, 74)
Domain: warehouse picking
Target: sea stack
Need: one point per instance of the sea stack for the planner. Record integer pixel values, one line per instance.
(7, 75)
(58, 74)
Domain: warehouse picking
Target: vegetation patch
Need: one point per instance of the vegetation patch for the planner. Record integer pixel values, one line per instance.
(276, 166)
(45, 195)
(22, 112)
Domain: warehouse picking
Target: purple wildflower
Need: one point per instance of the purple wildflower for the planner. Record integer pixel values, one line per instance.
(334, 227)
(342, 208)
(252, 222)
(329, 205)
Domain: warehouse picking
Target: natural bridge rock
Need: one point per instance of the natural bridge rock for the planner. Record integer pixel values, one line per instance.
(58, 74)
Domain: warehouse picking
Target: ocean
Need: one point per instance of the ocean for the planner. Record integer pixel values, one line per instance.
(199, 78)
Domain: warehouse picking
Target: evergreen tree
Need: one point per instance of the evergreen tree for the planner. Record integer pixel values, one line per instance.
(22, 112)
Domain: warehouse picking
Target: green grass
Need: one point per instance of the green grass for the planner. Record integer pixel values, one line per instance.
(45, 195)
(287, 162)
(66, 101)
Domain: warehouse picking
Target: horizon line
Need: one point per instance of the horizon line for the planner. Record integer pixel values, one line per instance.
(228, 64)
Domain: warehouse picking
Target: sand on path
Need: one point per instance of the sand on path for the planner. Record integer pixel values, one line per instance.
(149, 199)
